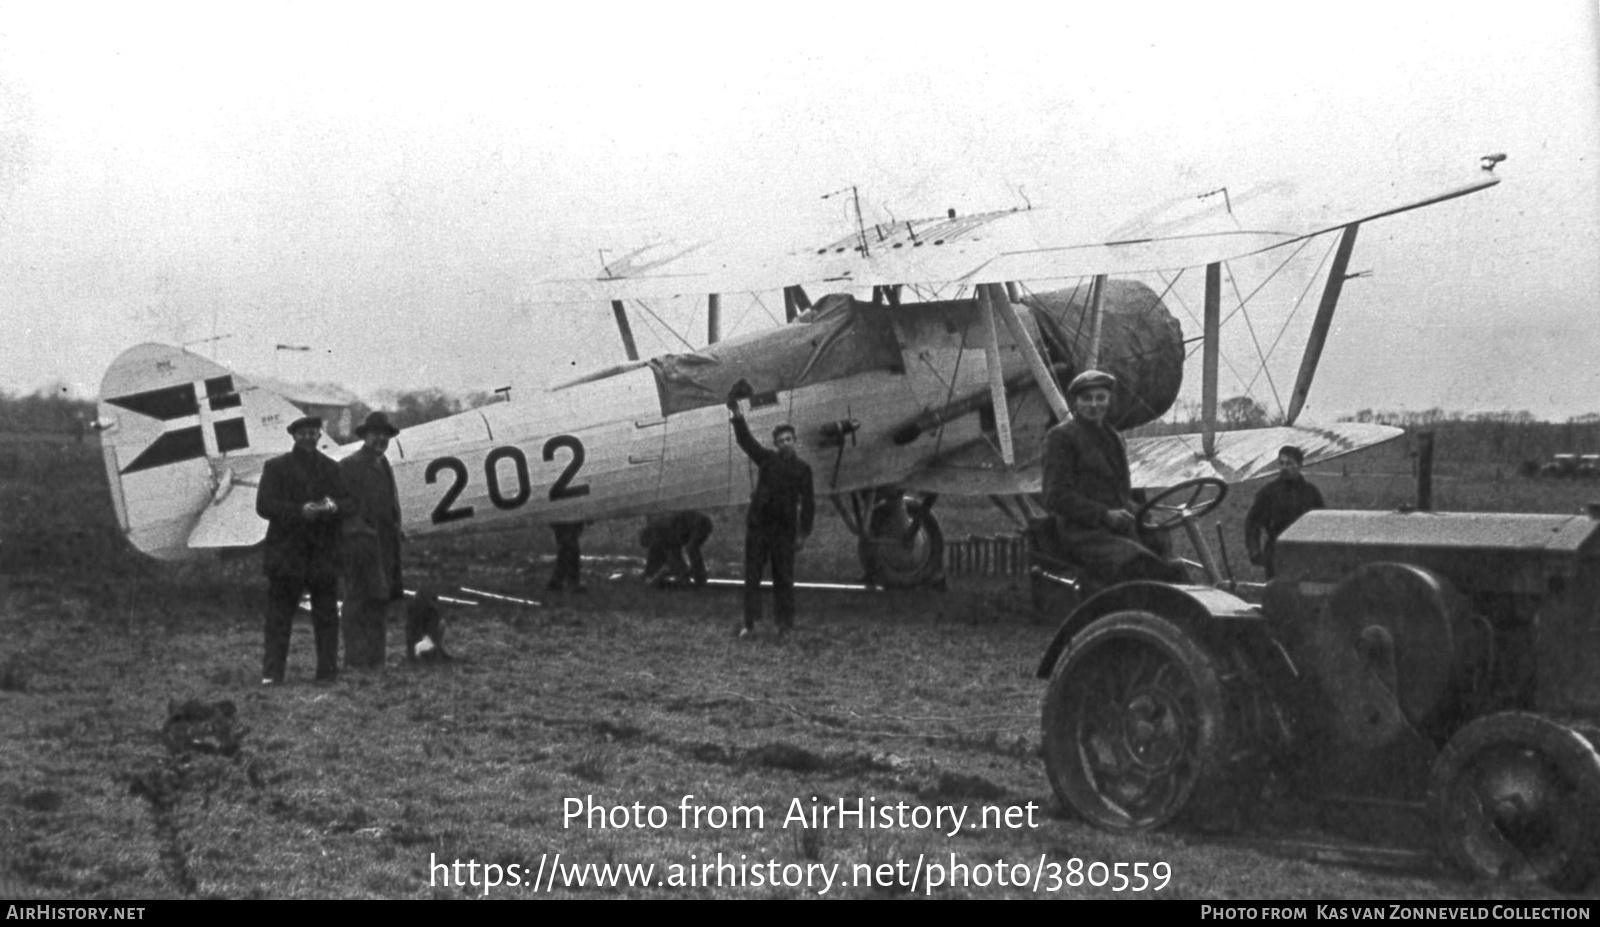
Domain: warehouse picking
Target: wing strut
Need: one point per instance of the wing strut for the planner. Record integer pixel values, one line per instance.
(1000, 300)
(1209, 353)
(625, 329)
(1319, 326)
(1096, 292)
(713, 318)
(991, 360)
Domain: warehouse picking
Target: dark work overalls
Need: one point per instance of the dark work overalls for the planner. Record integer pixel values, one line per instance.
(781, 507)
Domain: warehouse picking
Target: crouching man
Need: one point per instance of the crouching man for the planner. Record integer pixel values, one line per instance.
(674, 541)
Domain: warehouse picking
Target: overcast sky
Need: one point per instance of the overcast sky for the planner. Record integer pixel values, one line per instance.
(380, 182)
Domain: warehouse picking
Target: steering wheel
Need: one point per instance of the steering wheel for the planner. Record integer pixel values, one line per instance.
(1159, 515)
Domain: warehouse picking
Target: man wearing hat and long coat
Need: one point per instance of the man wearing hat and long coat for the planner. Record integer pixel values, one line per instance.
(370, 545)
(1088, 488)
(301, 495)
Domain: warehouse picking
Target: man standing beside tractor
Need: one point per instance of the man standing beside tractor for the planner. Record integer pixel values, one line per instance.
(1278, 505)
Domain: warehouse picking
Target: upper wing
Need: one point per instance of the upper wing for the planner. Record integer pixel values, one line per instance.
(1156, 462)
(994, 247)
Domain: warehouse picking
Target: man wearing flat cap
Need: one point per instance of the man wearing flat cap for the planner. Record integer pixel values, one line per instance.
(1088, 488)
(301, 495)
(370, 544)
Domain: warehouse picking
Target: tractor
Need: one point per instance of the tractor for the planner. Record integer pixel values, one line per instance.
(1444, 661)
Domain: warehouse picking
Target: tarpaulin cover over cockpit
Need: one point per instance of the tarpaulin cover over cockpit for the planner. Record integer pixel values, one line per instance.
(838, 337)
(1141, 344)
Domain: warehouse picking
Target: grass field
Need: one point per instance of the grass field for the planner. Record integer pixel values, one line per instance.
(619, 696)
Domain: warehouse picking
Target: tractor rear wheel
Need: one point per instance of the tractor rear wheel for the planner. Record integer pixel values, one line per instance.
(1516, 796)
(1134, 722)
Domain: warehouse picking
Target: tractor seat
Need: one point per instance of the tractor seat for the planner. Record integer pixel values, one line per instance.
(1047, 552)
(1062, 581)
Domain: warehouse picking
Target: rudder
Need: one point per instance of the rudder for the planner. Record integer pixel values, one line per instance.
(178, 430)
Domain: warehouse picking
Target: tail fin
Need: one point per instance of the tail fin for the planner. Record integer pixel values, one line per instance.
(181, 434)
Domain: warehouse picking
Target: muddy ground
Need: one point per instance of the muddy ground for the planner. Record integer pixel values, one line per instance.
(621, 697)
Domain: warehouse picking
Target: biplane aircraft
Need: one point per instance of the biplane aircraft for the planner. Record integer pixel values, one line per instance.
(896, 400)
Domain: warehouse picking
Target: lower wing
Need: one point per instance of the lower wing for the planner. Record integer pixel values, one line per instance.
(1156, 462)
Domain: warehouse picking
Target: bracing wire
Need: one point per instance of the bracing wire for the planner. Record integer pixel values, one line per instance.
(646, 308)
(1281, 265)
(743, 315)
(1251, 328)
(762, 303)
(651, 330)
(1189, 353)
(1301, 301)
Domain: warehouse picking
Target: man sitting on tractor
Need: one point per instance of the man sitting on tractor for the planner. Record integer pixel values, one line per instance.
(1088, 489)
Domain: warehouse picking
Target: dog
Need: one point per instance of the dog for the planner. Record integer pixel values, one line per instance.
(425, 629)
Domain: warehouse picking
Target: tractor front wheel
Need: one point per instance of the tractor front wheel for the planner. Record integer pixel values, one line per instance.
(1134, 722)
(1516, 796)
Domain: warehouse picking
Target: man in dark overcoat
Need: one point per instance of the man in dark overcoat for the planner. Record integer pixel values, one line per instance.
(301, 495)
(782, 507)
(1088, 488)
(673, 541)
(370, 543)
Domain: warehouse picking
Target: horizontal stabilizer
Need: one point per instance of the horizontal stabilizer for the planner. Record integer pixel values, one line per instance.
(176, 428)
(232, 522)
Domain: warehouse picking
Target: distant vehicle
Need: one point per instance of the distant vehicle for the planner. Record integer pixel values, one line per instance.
(1569, 466)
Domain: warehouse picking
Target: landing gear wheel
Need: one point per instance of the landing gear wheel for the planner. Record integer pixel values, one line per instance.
(1516, 796)
(1134, 722)
(1164, 513)
(903, 546)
